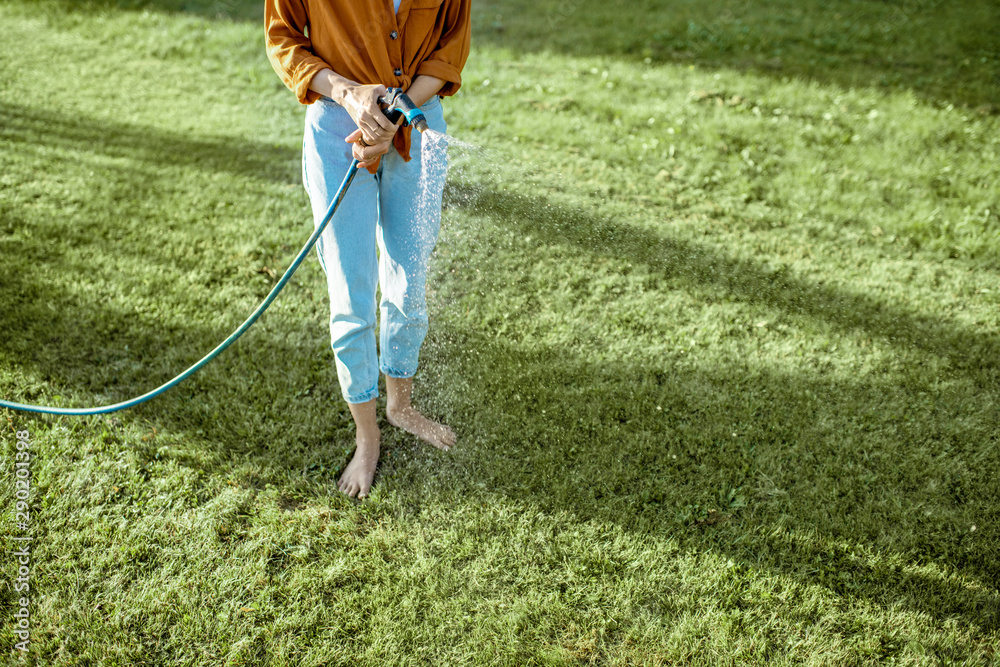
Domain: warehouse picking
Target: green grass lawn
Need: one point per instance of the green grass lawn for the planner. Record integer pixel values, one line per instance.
(714, 312)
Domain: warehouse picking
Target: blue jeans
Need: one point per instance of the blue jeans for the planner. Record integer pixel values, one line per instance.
(390, 212)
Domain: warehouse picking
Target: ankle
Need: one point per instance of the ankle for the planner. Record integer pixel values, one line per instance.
(369, 435)
(394, 408)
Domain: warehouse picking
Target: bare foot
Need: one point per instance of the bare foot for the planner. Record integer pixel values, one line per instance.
(357, 478)
(407, 418)
(401, 414)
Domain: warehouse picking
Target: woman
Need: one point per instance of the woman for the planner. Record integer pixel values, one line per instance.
(338, 57)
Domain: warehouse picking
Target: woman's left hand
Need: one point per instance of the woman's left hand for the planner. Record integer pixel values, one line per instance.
(366, 155)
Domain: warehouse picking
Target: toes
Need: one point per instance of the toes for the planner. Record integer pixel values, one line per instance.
(448, 437)
(347, 486)
(443, 437)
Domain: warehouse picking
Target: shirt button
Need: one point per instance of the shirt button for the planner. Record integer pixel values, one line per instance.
(393, 35)
(397, 72)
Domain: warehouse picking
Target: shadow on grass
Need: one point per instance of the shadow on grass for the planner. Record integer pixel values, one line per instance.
(816, 457)
(568, 436)
(32, 127)
(965, 349)
(939, 50)
(936, 49)
(829, 466)
(829, 491)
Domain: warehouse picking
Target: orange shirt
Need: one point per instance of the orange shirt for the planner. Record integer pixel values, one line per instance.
(364, 41)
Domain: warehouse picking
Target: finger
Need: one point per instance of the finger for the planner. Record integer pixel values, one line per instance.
(375, 135)
(369, 155)
(357, 150)
(375, 105)
(385, 126)
(379, 121)
(374, 150)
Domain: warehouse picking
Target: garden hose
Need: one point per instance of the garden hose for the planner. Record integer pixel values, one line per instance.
(396, 103)
(224, 344)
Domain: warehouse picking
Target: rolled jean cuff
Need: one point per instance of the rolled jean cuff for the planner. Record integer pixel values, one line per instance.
(364, 397)
(394, 373)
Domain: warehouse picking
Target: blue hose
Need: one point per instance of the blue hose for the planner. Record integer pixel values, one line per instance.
(224, 344)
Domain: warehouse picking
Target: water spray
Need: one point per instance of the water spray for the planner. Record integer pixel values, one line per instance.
(397, 104)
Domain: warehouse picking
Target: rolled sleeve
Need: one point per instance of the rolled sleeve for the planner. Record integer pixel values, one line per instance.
(442, 70)
(289, 49)
(448, 59)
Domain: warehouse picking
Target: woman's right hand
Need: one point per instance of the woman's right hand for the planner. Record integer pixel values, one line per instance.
(361, 102)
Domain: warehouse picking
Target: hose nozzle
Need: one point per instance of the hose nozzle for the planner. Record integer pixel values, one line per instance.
(398, 103)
